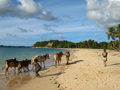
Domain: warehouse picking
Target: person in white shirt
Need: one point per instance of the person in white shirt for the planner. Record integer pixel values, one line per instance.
(104, 54)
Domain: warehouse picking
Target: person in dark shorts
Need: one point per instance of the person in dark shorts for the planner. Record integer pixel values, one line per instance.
(37, 69)
(104, 54)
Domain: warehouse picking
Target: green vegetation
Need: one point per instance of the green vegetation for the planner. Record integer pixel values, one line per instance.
(40, 44)
(114, 32)
(84, 44)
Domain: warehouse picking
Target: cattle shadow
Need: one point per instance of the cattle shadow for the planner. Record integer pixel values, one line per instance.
(42, 69)
(56, 74)
(75, 62)
(114, 64)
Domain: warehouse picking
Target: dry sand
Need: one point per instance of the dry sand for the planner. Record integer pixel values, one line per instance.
(86, 71)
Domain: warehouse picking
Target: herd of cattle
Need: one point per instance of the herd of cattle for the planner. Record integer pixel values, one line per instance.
(25, 63)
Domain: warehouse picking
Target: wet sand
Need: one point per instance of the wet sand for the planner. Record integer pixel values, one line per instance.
(86, 71)
(17, 80)
(48, 79)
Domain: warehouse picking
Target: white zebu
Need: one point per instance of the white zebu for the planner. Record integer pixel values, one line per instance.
(41, 59)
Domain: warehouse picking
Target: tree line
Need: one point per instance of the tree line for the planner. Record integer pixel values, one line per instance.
(85, 44)
(113, 32)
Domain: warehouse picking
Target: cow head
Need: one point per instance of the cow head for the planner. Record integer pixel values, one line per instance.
(47, 56)
(61, 53)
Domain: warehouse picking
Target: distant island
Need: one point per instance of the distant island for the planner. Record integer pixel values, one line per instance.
(16, 46)
(85, 44)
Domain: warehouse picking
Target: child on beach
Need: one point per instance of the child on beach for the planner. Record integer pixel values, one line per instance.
(104, 54)
(37, 68)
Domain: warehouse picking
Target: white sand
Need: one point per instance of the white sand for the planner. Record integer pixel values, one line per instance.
(90, 74)
(86, 72)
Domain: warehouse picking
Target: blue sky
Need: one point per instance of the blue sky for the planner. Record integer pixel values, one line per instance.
(24, 22)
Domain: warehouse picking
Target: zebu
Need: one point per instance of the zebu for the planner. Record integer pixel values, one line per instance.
(41, 59)
(10, 63)
(67, 54)
(57, 57)
(24, 64)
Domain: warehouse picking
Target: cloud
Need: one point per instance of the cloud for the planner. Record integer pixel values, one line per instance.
(25, 9)
(67, 16)
(94, 34)
(24, 30)
(11, 35)
(60, 36)
(44, 36)
(49, 27)
(105, 13)
(47, 16)
(17, 37)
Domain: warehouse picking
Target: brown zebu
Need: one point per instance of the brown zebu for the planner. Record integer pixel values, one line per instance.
(67, 55)
(57, 57)
(41, 59)
(24, 64)
(10, 63)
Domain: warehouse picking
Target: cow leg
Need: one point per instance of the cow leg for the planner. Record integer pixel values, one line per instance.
(24, 69)
(67, 59)
(18, 70)
(44, 64)
(14, 70)
(27, 68)
(6, 71)
(55, 63)
(58, 62)
(67, 62)
(41, 64)
(33, 65)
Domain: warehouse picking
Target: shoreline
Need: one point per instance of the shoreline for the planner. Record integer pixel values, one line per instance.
(85, 72)
(14, 81)
(49, 77)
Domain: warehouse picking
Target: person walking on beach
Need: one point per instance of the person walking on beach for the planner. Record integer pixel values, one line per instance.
(37, 68)
(104, 54)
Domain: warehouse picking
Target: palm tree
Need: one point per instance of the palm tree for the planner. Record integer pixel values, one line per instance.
(118, 33)
(111, 34)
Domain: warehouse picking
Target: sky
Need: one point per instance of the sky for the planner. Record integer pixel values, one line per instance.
(24, 22)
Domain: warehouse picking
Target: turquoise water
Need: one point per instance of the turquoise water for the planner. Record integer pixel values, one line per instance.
(16, 80)
(24, 53)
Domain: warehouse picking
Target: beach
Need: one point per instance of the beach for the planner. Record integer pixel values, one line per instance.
(86, 71)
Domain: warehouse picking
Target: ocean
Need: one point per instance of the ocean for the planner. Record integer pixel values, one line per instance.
(20, 54)
(24, 53)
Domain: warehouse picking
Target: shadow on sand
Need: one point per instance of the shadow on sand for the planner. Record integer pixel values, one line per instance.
(53, 74)
(114, 64)
(75, 62)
